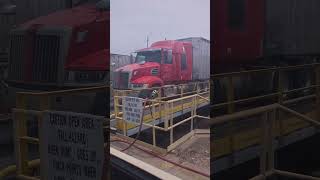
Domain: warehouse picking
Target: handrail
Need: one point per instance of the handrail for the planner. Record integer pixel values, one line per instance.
(268, 137)
(280, 92)
(10, 170)
(241, 114)
(286, 68)
(68, 91)
(300, 116)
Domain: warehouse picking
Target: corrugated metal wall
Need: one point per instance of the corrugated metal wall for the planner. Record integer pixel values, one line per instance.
(7, 21)
(201, 57)
(117, 61)
(293, 27)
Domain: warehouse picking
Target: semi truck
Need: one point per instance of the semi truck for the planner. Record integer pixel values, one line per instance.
(167, 62)
(65, 49)
(258, 34)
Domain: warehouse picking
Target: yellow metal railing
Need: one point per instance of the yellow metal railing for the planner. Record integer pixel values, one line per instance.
(23, 166)
(160, 109)
(278, 72)
(233, 141)
(268, 117)
(181, 90)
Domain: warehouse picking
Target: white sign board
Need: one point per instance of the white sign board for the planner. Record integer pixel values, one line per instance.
(71, 146)
(132, 109)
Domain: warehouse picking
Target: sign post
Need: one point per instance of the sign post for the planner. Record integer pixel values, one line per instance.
(71, 146)
(132, 109)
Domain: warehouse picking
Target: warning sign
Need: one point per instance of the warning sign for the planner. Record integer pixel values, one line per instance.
(132, 109)
(71, 146)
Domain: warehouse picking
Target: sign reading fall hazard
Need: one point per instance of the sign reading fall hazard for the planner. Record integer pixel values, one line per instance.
(72, 146)
(132, 109)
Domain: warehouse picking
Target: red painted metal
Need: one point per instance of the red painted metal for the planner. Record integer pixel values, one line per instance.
(238, 46)
(169, 73)
(93, 52)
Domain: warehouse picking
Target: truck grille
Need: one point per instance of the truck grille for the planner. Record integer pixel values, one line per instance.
(121, 80)
(155, 71)
(46, 58)
(16, 61)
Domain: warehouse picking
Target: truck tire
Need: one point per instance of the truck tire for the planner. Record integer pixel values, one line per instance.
(149, 93)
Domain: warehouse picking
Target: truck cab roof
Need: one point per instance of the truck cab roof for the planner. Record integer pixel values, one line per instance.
(176, 46)
(79, 15)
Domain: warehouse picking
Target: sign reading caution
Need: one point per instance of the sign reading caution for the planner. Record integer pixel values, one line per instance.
(132, 109)
(71, 146)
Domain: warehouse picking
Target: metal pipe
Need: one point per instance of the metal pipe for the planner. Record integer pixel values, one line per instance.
(263, 176)
(245, 100)
(295, 175)
(23, 177)
(287, 68)
(69, 91)
(241, 114)
(301, 116)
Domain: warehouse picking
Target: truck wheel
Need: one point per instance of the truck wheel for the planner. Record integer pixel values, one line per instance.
(150, 93)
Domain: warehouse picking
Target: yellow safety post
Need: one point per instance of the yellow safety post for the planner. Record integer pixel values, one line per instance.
(21, 146)
(230, 95)
(317, 83)
(280, 101)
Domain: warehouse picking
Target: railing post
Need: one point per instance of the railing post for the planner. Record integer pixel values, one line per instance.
(267, 150)
(230, 95)
(171, 123)
(280, 101)
(280, 87)
(192, 112)
(317, 83)
(154, 124)
(263, 152)
(21, 147)
(166, 115)
(271, 120)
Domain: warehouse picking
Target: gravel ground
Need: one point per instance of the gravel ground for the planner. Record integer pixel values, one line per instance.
(196, 151)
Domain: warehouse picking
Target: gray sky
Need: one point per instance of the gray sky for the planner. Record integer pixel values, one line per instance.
(133, 20)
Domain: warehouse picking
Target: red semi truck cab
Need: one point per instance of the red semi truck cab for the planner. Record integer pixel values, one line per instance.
(164, 62)
(66, 48)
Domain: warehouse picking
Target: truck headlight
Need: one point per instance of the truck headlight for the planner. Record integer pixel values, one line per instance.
(85, 76)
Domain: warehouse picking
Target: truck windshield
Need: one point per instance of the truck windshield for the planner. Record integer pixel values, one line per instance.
(148, 56)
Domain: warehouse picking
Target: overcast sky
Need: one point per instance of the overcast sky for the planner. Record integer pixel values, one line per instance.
(133, 20)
